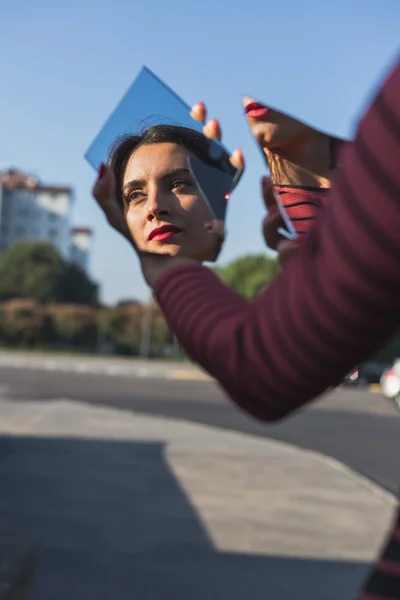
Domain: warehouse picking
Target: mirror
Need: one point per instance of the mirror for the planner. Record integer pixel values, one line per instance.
(300, 159)
(214, 184)
(150, 102)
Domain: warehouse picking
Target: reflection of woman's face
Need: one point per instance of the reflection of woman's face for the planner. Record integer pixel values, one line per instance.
(271, 128)
(165, 212)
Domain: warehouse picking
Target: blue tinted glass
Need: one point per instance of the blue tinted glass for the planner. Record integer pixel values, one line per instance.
(147, 102)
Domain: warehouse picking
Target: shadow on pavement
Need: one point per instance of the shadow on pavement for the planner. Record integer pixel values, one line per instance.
(111, 521)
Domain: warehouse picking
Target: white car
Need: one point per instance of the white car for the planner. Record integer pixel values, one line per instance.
(390, 382)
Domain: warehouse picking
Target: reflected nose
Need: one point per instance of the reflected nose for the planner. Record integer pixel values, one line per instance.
(157, 205)
(247, 100)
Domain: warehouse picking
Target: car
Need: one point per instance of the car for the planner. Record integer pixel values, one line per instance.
(390, 382)
(365, 374)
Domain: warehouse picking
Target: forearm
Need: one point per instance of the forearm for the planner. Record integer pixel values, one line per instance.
(336, 302)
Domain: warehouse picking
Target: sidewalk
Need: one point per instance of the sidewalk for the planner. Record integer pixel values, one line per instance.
(124, 506)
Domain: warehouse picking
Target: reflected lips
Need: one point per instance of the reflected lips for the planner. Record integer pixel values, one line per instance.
(255, 110)
(163, 233)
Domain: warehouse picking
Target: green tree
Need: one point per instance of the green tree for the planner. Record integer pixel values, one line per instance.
(122, 326)
(160, 333)
(25, 323)
(36, 270)
(30, 270)
(250, 274)
(390, 351)
(75, 287)
(74, 325)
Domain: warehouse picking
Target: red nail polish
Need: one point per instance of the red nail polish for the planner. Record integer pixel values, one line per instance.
(227, 196)
(273, 209)
(102, 170)
(209, 225)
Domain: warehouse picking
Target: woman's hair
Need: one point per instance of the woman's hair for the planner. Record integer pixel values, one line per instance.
(194, 141)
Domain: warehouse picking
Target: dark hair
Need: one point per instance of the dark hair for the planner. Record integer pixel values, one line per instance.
(194, 141)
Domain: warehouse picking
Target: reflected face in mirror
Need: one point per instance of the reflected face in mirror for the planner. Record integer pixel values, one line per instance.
(157, 188)
(164, 209)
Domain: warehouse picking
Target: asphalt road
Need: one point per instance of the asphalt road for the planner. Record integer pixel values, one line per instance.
(360, 429)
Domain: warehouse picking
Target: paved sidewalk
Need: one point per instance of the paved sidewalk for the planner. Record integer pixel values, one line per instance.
(124, 506)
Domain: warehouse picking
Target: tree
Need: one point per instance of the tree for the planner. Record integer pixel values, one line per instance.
(250, 274)
(122, 326)
(75, 287)
(160, 334)
(24, 322)
(30, 270)
(74, 325)
(36, 270)
(390, 351)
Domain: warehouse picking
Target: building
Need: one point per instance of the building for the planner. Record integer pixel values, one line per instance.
(81, 241)
(30, 210)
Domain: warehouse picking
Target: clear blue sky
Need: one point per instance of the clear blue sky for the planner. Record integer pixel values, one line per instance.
(66, 65)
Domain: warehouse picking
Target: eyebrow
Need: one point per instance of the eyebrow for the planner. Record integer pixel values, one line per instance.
(141, 182)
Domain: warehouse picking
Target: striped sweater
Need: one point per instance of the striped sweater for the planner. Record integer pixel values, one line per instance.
(302, 204)
(335, 303)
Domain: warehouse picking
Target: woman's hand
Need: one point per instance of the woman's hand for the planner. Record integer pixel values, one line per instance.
(212, 130)
(104, 194)
(272, 222)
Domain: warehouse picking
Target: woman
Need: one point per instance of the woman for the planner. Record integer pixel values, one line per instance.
(163, 207)
(336, 301)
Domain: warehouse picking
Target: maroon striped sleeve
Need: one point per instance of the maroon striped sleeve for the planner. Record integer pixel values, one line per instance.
(336, 301)
(302, 204)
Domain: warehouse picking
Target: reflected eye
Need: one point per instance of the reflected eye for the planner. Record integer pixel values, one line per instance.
(181, 184)
(135, 196)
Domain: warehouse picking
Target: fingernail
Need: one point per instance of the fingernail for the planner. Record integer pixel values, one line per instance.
(227, 196)
(102, 170)
(298, 240)
(273, 209)
(209, 225)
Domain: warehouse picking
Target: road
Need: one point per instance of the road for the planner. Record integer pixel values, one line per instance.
(357, 428)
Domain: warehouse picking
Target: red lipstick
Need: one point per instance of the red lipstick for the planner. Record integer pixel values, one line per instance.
(255, 110)
(163, 233)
